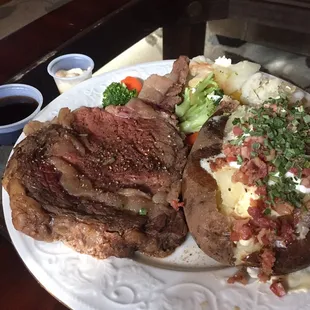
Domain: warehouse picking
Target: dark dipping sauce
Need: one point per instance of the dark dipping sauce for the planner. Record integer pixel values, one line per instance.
(15, 108)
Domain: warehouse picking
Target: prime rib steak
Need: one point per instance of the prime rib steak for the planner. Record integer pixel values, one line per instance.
(103, 180)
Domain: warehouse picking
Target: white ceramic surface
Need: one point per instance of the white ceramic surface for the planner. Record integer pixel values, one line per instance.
(186, 280)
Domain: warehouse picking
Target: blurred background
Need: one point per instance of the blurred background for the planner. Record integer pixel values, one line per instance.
(284, 53)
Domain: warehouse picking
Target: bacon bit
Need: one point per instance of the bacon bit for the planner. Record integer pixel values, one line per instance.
(259, 220)
(287, 230)
(264, 222)
(261, 190)
(266, 236)
(241, 230)
(218, 164)
(257, 203)
(238, 223)
(306, 172)
(263, 277)
(241, 276)
(306, 182)
(245, 233)
(273, 107)
(305, 177)
(247, 146)
(234, 236)
(268, 260)
(250, 172)
(283, 208)
(278, 289)
(176, 204)
(231, 158)
(231, 150)
(237, 131)
(240, 176)
(246, 152)
(294, 171)
(250, 140)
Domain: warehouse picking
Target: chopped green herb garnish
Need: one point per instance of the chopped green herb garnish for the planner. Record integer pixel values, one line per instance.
(267, 211)
(256, 146)
(143, 211)
(236, 121)
(306, 118)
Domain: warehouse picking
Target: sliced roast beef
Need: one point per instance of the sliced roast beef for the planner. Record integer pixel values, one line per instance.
(102, 181)
(163, 92)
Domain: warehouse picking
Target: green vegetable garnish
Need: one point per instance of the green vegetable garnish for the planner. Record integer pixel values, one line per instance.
(198, 104)
(117, 94)
(256, 146)
(267, 211)
(285, 189)
(143, 211)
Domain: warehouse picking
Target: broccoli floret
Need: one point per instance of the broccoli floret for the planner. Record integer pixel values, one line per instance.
(198, 104)
(117, 94)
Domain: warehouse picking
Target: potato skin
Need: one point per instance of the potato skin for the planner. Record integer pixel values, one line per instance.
(293, 258)
(210, 228)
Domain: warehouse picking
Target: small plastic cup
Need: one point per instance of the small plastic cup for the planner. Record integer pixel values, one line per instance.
(68, 62)
(9, 133)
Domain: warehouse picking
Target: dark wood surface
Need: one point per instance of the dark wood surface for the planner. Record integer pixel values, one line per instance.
(19, 290)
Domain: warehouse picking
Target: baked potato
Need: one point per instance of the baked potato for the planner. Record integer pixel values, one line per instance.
(230, 183)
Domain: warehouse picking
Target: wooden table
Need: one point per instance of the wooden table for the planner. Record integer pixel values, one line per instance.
(102, 30)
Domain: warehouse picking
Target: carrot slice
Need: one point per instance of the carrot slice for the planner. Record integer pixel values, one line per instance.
(192, 138)
(132, 83)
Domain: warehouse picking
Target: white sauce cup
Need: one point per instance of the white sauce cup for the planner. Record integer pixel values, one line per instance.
(68, 62)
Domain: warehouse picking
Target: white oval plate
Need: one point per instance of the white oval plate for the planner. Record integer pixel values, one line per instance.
(187, 279)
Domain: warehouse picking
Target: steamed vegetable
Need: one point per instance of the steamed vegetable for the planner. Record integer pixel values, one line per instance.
(230, 77)
(117, 94)
(132, 83)
(199, 104)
